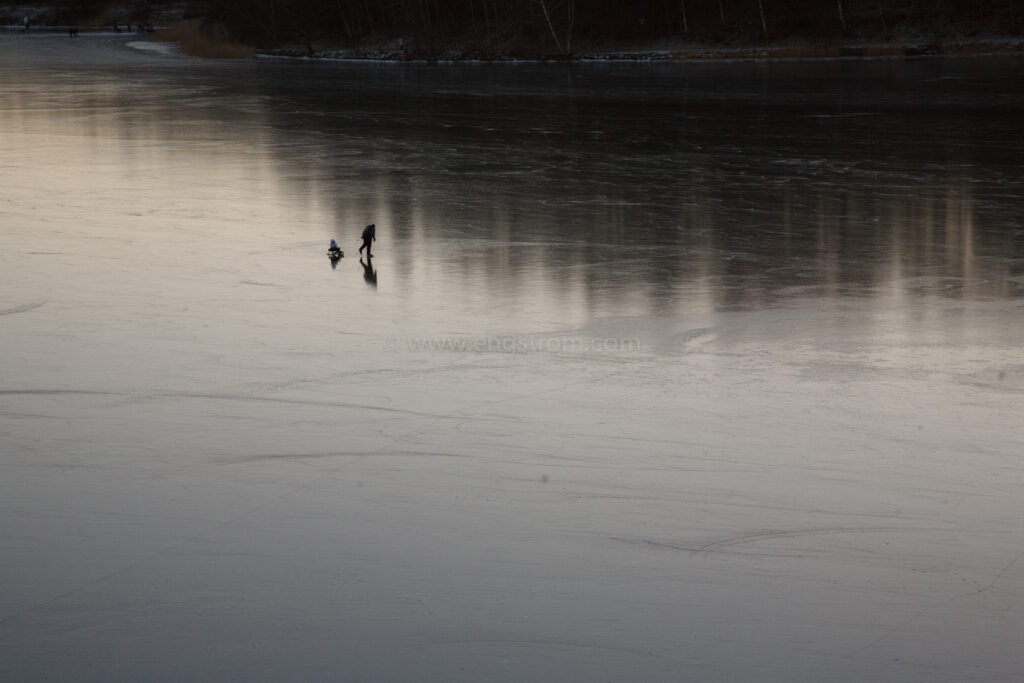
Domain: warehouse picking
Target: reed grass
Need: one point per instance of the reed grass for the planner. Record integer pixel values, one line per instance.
(199, 39)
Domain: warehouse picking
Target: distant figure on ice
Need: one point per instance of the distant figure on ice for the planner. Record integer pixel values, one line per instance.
(334, 253)
(369, 274)
(369, 236)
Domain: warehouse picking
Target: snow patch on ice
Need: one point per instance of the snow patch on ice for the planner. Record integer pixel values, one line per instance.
(162, 48)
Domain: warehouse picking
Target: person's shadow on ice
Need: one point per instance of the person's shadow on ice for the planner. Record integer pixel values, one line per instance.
(369, 274)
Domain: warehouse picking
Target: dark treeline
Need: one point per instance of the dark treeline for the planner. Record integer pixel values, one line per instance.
(564, 26)
(98, 13)
(493, 28)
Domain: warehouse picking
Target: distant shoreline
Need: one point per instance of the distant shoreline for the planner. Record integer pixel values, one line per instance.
(393, 51)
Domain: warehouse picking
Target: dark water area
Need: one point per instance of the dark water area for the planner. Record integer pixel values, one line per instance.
(833, 177)
(748, 181)
(676, 371)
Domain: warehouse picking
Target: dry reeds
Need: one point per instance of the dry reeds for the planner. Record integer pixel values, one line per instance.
(204, 40)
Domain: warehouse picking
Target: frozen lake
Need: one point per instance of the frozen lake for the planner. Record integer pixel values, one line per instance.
(702, 372)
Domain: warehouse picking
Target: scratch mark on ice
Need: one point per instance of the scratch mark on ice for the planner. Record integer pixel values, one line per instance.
(22, 309)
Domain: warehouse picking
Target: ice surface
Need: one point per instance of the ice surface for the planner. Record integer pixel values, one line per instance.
(695, 372)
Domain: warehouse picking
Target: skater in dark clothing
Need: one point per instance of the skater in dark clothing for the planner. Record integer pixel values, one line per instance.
(369, 236)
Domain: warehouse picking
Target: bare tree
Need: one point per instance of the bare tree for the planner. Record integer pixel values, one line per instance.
(764, 24)
(842, 17)
(571, 12)
(568, 30)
